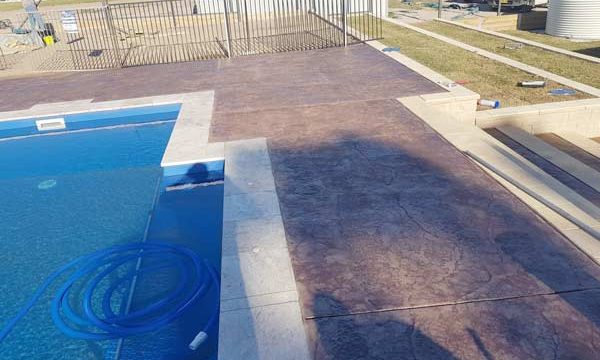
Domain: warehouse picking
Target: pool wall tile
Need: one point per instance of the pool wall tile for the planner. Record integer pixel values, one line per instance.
(192, 173)
(92, 119)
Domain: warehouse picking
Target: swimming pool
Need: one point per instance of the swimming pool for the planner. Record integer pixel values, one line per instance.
(98, 186)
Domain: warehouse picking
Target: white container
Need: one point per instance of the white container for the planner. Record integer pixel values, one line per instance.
(576, 19)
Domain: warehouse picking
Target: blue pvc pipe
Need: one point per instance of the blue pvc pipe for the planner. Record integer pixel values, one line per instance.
(196, 276)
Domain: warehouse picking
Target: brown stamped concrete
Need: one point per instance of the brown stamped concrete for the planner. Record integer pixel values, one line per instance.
(402, 248)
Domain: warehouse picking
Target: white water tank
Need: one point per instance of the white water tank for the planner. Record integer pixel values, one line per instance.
(577, 19)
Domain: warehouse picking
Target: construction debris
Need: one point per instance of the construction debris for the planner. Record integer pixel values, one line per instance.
(562, 92)
(533, 84)
(513, 45)
(494, 104)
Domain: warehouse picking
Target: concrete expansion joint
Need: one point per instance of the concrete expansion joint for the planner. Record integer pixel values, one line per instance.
(454, 303)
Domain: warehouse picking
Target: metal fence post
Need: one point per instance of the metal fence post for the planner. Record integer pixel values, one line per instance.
(2, 60)
(227, 28)
(345, 21)
(173, 14)
(113, 32)
(247, 25)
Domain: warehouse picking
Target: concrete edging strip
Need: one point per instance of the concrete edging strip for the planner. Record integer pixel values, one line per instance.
(502, 59)
(524, 41)
(461, 101)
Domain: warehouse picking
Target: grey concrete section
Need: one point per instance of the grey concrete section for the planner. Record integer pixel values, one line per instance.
(260, 312)
(263, 333)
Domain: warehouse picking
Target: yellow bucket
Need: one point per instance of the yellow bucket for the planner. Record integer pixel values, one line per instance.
(49, 40)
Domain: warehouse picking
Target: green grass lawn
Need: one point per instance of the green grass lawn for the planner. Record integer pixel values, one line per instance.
(583, 71)
(44, 4)
(584, 47)
(492, 80)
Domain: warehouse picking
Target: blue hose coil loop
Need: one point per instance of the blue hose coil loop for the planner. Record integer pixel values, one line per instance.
(196, 276)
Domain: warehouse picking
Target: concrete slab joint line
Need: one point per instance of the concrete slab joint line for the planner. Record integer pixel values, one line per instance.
(260, 310)
(519, 65)
(524, 41)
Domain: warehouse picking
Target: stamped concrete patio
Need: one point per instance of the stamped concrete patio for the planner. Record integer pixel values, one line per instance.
(402, 247)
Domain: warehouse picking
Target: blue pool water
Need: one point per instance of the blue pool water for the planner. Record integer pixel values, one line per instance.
(71, 194)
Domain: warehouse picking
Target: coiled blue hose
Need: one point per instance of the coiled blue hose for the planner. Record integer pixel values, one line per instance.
(195, 278)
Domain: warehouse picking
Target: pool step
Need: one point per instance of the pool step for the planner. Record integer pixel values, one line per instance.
(521, 177)
(590, 146)
(571, 165)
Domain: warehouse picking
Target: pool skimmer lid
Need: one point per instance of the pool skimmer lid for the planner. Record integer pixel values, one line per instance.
(51, 124)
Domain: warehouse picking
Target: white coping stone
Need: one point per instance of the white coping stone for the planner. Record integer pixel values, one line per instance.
(271, 332)
(77, 106)
(502, 59)
(248, 167)
(254, 273)
(241, 236)
(585, 242)
(191, 131)
(189, 138)
(253, 205)
(260, 310)
(259, 300)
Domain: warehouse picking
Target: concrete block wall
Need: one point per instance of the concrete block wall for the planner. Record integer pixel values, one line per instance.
(580, 116)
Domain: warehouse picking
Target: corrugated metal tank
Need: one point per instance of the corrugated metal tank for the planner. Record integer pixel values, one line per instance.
(577, 19)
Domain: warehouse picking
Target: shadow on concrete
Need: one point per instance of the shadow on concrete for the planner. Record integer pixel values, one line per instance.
(347, 339)
(403, 248)
(593, 51)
